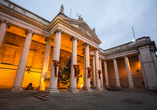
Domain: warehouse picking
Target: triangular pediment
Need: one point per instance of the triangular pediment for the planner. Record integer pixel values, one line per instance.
(82, 26)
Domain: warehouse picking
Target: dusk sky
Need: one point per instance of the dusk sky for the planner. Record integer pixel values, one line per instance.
(112, 19)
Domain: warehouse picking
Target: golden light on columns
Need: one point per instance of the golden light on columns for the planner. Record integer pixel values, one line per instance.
(138, 64)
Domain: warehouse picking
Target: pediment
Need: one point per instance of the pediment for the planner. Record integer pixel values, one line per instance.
(79, 25)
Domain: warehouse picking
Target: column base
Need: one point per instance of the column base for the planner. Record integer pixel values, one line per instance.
(93, 88)
(16, 88)
(131, 87)
(53, 90)
(106, 87)
(102, 87)
(73, 90)
(117, 87)
(99, 88)
(88, 89)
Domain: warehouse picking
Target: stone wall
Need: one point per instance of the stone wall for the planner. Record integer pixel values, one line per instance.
(135, 71)
(10, 53)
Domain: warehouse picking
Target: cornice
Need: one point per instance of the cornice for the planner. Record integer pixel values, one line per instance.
(128, 46)
(19, 9)
(15, 22)
(22, 17)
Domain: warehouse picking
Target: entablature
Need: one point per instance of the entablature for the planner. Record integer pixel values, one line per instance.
(23, 11)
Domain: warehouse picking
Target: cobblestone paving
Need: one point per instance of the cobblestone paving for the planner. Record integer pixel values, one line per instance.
(112, 100)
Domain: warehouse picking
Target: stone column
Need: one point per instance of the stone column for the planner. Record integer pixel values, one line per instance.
(22, 64)
(106, 74)
(45, 65)
(3, 28)
(101, 80)
(73, 78)
(116, 73)
(94, 76)
(83, 88)
(55, 60)
(131, 85)
(87, 65)
(143, 72)
(98, 86)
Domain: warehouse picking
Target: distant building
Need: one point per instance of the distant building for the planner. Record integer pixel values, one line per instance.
(34, 50)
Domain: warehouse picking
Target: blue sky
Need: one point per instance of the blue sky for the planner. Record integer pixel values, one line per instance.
(113, 19)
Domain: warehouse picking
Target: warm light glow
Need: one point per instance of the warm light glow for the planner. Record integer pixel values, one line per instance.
(81, 85)
(33, 78)
(42, 88)
(138, 63)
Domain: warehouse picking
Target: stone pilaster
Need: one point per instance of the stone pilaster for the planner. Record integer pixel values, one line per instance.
(106, 74)
(143, 72)
(131, 85)
(55, 62)
(3, 28)
(73, 78)
(152, 50)
(45, 65)
(148, 66)
(116, 73)
(23, 60)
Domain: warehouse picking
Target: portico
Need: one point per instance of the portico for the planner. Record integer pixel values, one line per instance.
(65, 52)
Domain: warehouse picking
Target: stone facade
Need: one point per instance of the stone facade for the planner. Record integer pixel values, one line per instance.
(33, 50)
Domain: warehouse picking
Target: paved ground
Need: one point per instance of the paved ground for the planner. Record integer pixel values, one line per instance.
(110, 100)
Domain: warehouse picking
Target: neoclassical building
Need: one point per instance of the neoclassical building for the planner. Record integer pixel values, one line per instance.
(65, 53)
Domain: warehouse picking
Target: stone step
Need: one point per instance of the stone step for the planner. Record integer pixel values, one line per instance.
(40, 97)
(42, 93)
(47, 96)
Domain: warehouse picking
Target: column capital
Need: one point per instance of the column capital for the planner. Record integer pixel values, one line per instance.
(125, 56)
(92, 55)
(48, 38)
(86, 44)
(96, 49)
(29, 31)
(58, 30)
(114, 58)
(6, 22)
(74, 38)
(105, 60)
